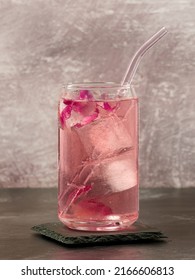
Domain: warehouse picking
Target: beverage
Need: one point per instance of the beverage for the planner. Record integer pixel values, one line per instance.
(98, 151)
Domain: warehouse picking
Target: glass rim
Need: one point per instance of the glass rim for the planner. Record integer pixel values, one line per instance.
(97, 85)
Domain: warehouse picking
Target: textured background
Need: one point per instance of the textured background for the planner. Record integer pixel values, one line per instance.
(44, 44)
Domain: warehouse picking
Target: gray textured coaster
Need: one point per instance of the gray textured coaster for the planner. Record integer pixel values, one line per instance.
(137, 233)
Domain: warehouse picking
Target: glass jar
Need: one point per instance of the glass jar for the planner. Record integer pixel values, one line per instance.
(98, 156)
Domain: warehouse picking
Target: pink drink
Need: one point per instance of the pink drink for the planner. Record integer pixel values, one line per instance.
(98, 151)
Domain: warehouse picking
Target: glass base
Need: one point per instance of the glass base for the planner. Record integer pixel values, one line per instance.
(112, 223)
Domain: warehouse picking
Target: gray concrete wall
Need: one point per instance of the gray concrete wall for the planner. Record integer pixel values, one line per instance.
(44, 44)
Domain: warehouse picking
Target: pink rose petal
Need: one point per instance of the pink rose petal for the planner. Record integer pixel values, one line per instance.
(77, 106)
(91, 209)
(85, 94)
(86, 109)
(78, 125)
(67, 101)
(88, 119)
(65, 114)
(107, 106)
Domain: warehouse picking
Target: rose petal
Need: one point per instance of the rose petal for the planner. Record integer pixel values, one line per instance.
(91, 209)
(65, 114)
(67, 101)
(77, 106)
(107, 106)
(78, 125)
(85, 94)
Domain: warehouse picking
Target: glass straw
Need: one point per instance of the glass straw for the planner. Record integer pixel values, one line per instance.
(131, 70)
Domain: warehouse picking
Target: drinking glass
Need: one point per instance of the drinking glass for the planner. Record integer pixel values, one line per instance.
(98, 156)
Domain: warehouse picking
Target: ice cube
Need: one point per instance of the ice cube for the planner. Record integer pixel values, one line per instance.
(105, 137)
(114, 174)
(82, 112)
(121, 172)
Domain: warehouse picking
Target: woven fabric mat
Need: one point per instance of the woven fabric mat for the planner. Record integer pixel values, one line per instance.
(137, 233)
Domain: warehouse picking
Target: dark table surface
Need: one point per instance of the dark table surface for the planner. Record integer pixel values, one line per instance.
(170, 210)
